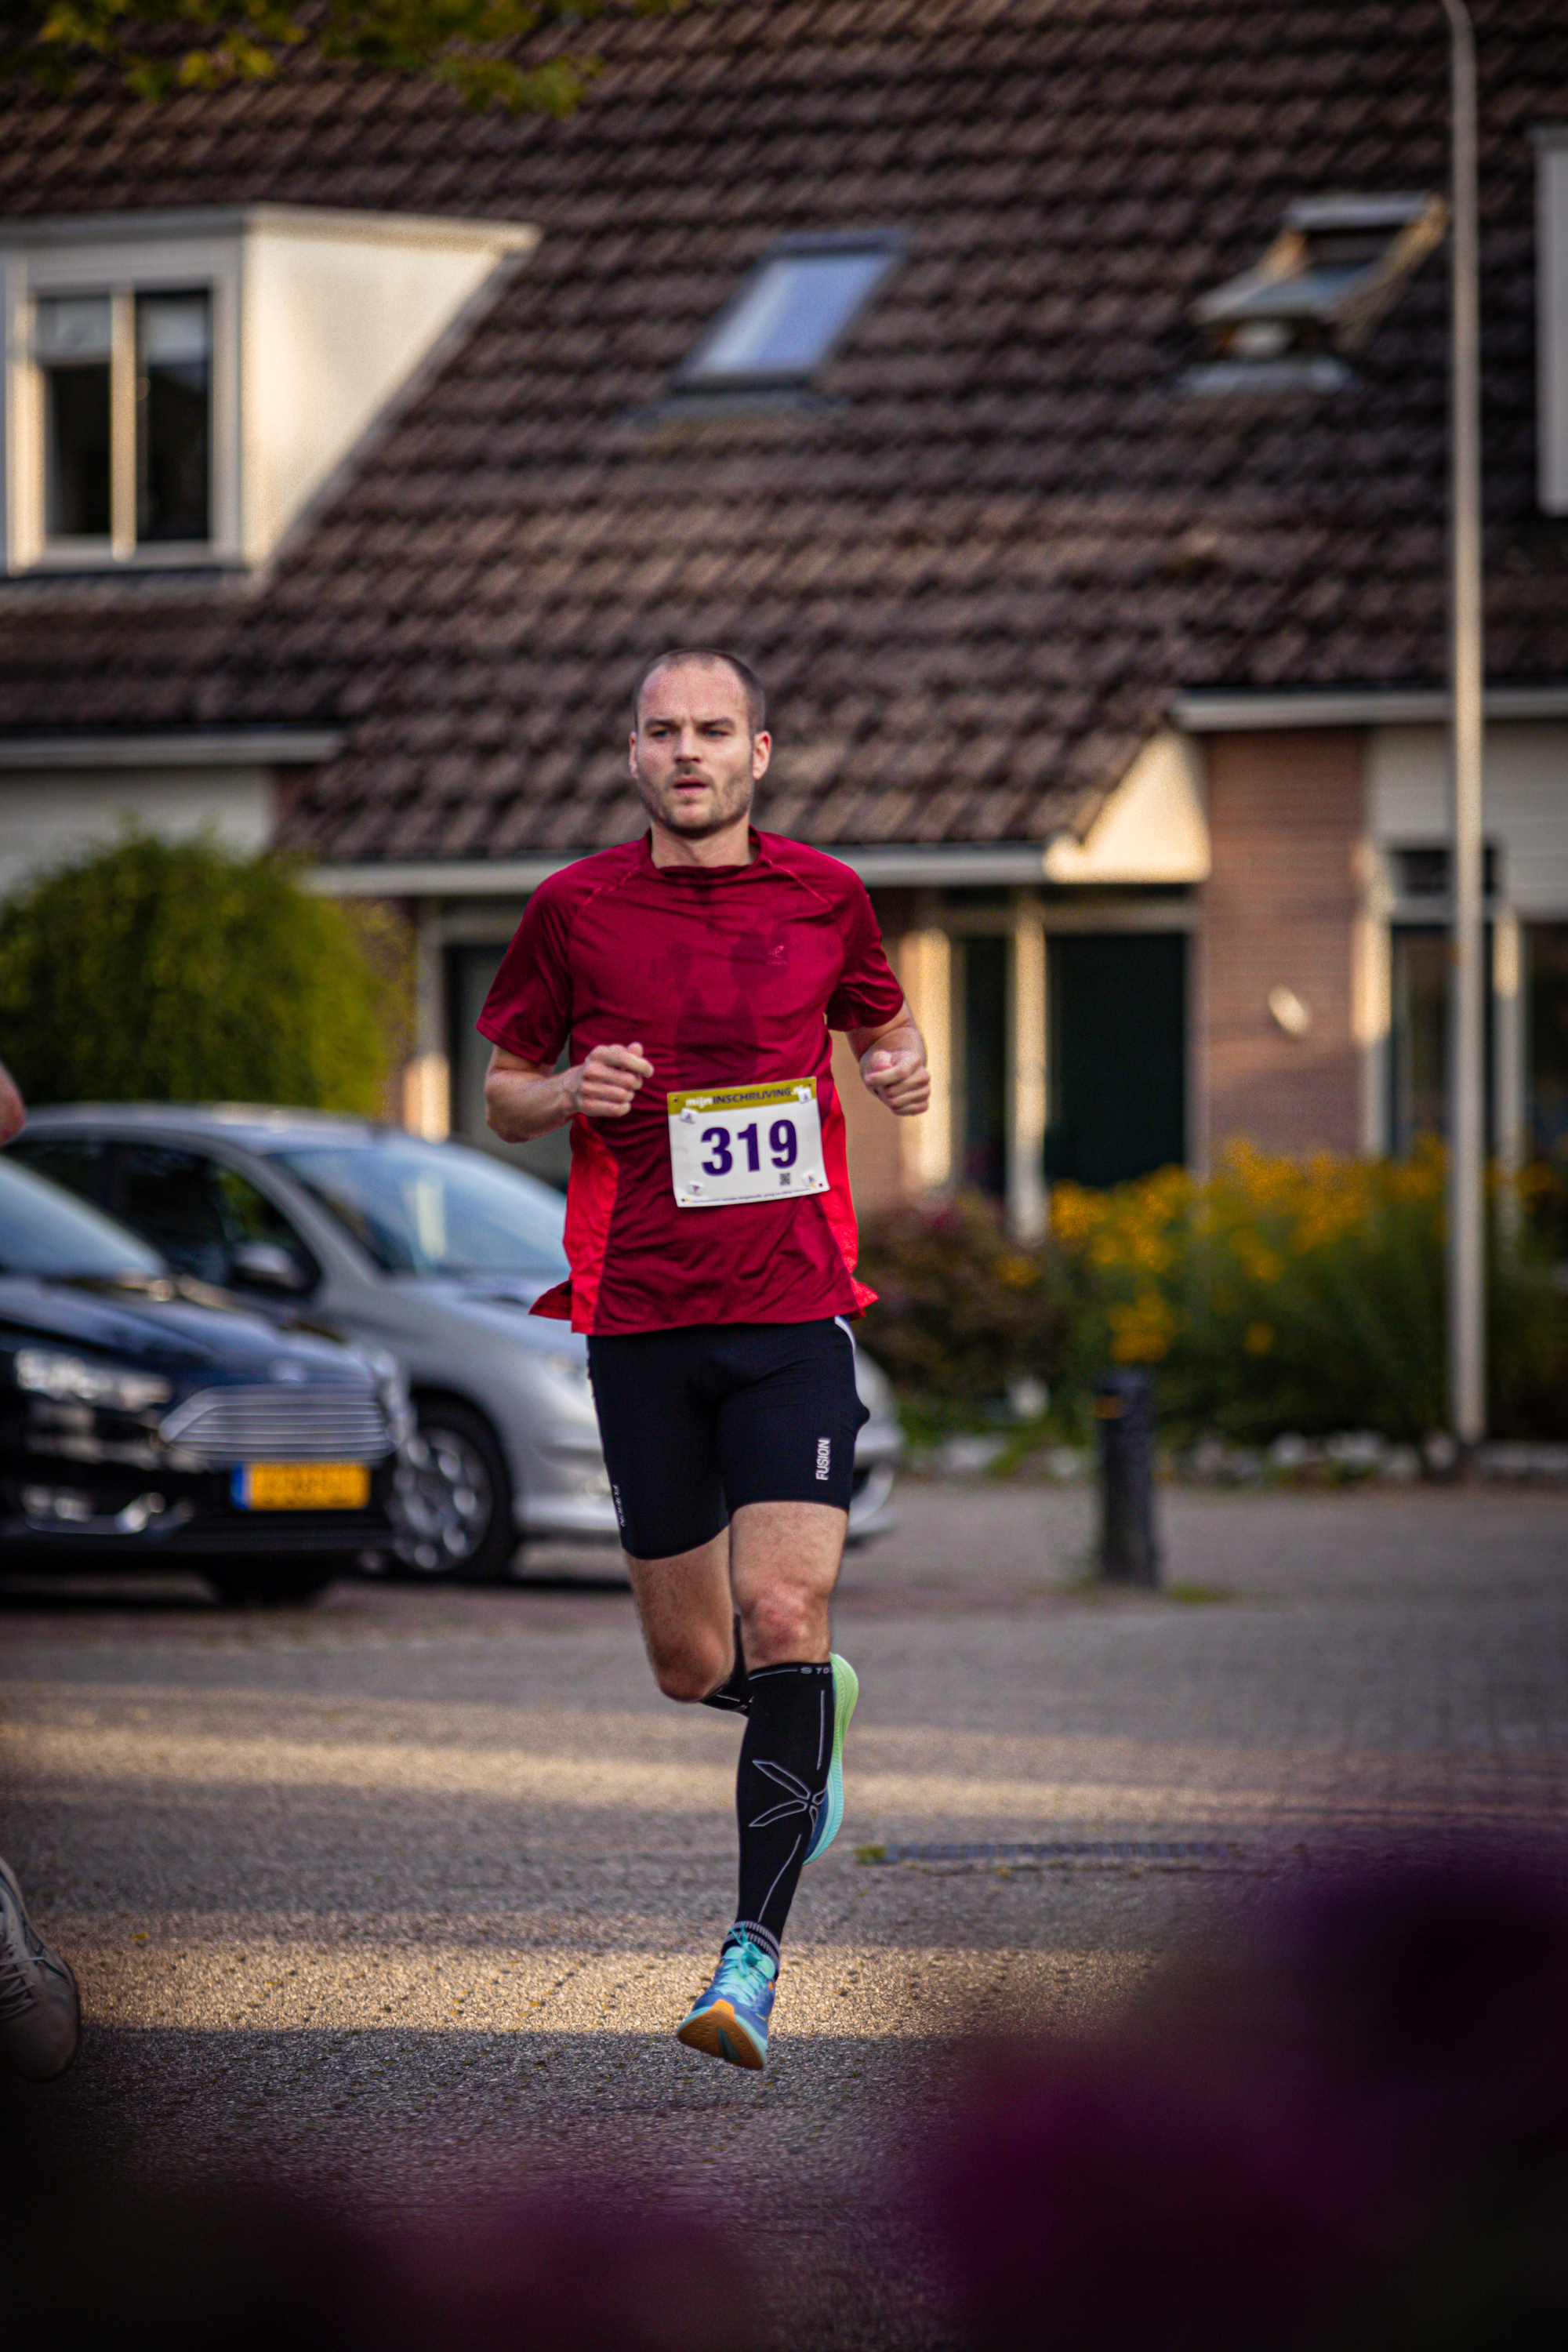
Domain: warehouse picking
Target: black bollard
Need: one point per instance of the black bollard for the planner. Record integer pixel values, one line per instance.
(1125, 1406)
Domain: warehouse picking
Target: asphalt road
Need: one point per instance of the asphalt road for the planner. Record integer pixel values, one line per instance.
(404, 1893)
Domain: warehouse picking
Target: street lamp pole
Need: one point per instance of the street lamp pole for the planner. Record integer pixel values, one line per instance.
(1468, 991)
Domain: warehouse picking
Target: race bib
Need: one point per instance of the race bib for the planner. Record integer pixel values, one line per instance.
(746, 1143)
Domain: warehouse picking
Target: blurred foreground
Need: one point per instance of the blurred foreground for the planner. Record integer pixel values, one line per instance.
(387, 1910)
(1352, 2133)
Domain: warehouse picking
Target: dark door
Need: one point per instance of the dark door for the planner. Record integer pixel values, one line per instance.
(1119, 1053)
(983, 969)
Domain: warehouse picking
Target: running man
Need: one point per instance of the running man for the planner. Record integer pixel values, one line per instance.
(697, 973)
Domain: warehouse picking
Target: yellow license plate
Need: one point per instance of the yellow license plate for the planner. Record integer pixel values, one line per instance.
(302, 1485)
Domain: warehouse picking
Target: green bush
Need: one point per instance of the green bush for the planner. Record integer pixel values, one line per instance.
(1527, 1344)
(174, 971)
(961, 1306)
(1276, 1295)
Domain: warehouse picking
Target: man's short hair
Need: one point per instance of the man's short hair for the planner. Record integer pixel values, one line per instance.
(750, 683)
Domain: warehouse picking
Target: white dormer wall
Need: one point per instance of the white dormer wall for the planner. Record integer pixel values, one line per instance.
(319, 319)
(1551, 309)
(338, 313)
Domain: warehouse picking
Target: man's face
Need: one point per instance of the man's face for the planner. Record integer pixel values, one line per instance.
(694, 755)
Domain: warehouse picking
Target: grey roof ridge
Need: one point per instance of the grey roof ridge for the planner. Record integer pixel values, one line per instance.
(883, 864)
(1217, 710)
(190, 747)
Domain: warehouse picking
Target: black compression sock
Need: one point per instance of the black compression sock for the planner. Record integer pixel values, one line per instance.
(735, 1693)
(785, 1758)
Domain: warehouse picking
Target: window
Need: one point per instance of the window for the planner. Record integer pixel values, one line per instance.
(795, 308)
(72, 342)
(1338, 265)
(1421, 871)
(199, 1211)
(428, 1208)
(174, 416)
(125, 380)
(74, 1161)
(1546, 1075)
(1418, 1039)
(1551, 315)
(1547, 1051)
(1420, 966)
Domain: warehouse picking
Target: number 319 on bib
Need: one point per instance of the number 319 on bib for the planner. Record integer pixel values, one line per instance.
(745, 1143)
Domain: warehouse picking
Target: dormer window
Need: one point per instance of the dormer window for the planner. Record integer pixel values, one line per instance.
(125, 380)
(792, 311)
(180, 385)
(1339, 263)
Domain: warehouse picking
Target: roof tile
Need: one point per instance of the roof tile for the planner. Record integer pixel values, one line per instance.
(978, 560)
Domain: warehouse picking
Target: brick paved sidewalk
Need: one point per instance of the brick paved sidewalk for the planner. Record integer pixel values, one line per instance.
(410, 1888)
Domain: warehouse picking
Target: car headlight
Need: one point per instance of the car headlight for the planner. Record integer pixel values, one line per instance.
(392, 1387)
(391, 1379)
(75, 1379)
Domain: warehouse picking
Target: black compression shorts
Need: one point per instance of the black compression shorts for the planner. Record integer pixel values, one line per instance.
(699, 1420)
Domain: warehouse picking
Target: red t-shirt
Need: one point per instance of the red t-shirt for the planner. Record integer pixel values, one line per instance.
(727, 975)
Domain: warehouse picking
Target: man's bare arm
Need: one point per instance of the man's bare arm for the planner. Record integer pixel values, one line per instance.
(892, 1060)
(13, 1110)
(523, 1100)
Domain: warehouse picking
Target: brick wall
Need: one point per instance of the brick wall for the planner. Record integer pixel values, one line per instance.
(1286, 812)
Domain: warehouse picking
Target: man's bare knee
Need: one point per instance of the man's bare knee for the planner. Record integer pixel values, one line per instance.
(785, 1622)
(689, 1673)
(684, 1606)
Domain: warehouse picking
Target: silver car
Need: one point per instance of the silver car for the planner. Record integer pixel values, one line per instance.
(434, 1250)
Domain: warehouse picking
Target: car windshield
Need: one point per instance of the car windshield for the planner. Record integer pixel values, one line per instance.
(45, 1230)
(435, 1208)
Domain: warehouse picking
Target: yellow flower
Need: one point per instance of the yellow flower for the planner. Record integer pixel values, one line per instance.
(1143, 1332)
(1075, 1214)
(1257, 1338)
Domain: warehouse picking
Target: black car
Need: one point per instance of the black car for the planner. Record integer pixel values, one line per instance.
(150, 1420)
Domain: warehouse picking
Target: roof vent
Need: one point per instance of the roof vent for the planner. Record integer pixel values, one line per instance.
(1338, 264)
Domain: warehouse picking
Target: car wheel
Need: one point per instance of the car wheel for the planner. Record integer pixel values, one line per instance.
(270, 1583)
(453, 1501)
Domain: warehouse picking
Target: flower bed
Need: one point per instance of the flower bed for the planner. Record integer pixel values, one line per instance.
(1275, 1295)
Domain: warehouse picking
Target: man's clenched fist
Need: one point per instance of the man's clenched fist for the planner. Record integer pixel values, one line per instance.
(898, 1076)
(606, 1084)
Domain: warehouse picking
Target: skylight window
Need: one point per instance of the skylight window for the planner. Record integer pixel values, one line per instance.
(1338, 264)
(794, 310)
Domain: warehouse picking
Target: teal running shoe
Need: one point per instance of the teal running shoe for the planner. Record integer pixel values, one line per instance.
(730, 2019)
(846, 1691)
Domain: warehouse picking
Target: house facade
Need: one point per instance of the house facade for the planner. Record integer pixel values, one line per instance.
(1049, 401)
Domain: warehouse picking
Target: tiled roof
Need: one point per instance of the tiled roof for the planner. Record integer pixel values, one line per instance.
(977, 563)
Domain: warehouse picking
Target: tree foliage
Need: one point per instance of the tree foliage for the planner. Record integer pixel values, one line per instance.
(174, 971)
(155, 47)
